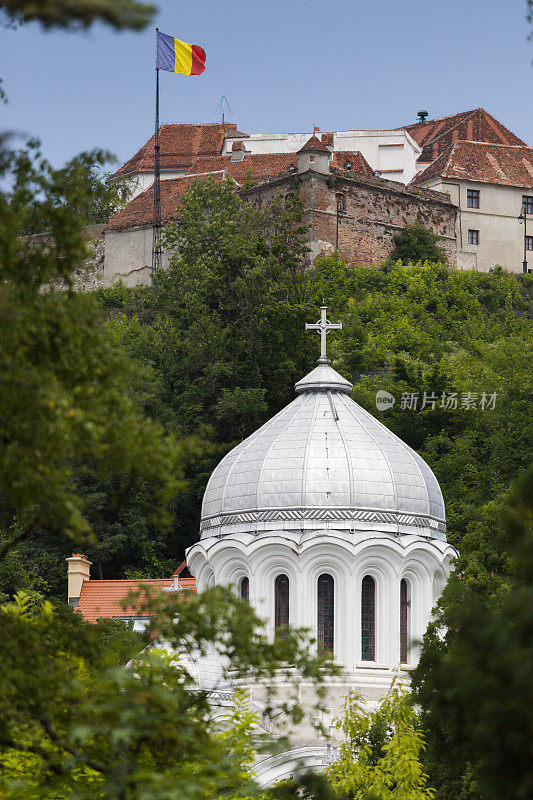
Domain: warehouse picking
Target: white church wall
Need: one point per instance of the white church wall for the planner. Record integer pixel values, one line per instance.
(348, 558)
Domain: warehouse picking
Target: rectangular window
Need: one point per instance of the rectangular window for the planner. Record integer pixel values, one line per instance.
(473, 237)
(472, 198)
(527, 203)
(529, 242)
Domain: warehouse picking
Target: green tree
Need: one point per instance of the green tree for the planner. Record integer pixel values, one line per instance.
(221, 334)
(75, 723)
(64, 411)
(475, 684)
(101, 197)
(380, 755)
(74, 14)
(417, 243)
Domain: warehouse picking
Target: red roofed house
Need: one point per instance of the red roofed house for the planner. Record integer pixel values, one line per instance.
(378, 207)
(384, 162)
(491, 184)
(180, 146)
(435, 136)
(95, 599)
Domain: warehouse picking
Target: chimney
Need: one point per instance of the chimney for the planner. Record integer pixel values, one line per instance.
(79, 570)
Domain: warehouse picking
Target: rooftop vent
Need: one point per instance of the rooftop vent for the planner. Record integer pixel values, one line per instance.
(422, 115)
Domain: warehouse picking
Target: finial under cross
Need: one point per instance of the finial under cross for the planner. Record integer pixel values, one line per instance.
(323, 326)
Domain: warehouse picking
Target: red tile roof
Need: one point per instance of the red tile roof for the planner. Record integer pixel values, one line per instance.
(105, 598)
(139, 211)
(436, 135)
(254, 168)
(313, 145)
(360, 165)
(507, 165)
(180, 146)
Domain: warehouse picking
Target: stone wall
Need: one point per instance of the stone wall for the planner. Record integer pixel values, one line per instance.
(375, 210)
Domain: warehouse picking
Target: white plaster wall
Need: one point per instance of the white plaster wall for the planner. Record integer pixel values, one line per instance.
(392, 153)
(501, 236)
(140, 181)
(128, 256)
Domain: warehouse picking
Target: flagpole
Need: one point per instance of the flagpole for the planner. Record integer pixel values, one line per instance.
(156, 220)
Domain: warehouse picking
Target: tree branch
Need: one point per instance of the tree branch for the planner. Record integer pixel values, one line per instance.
(47, 727)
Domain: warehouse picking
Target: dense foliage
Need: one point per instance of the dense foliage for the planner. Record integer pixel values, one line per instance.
(379, 756)
(417, 243)
(68, 422)
(76, 723)
(221, 337)
(74, 14)
(475, 682)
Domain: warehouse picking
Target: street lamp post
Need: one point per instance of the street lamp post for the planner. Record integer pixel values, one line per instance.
(523, 218)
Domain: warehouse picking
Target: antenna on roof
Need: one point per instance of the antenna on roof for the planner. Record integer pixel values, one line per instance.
(221, 108)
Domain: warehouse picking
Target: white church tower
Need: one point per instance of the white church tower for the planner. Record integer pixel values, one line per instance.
(324, 519)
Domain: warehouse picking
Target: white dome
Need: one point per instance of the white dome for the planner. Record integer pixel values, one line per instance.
(323, 462)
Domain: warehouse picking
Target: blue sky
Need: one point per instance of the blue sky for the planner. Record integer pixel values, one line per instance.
(285, 65)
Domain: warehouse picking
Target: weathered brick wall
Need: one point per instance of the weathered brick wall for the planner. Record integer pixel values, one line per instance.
(375, 209)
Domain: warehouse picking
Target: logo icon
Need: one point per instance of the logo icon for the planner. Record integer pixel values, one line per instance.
(384, 400)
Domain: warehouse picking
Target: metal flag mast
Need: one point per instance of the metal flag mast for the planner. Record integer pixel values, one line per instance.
(156, 220)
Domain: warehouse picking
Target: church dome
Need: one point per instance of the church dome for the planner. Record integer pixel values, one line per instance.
(321, 463)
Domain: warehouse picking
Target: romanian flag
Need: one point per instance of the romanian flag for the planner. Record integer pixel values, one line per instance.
(176, 56)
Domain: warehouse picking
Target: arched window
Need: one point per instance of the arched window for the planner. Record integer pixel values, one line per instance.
(368, 619)
(281, 605)
(405, 602)
(326, 612)
(245, 588)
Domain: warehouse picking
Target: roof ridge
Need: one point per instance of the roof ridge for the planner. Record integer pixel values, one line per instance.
(439, 119)
(494, 144)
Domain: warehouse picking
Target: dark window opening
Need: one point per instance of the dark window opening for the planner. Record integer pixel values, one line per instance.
(281, 605)
(527, 203)
(404, 620)
(245, 589)
(326, 613)
(472, 198)
(473, 237)
(368, 619)
(341, 203)
(529, 242)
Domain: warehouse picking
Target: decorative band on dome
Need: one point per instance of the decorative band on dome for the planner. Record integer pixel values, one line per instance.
(322, 515)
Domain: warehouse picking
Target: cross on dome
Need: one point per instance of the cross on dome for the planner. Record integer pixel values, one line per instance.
(323, 326)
